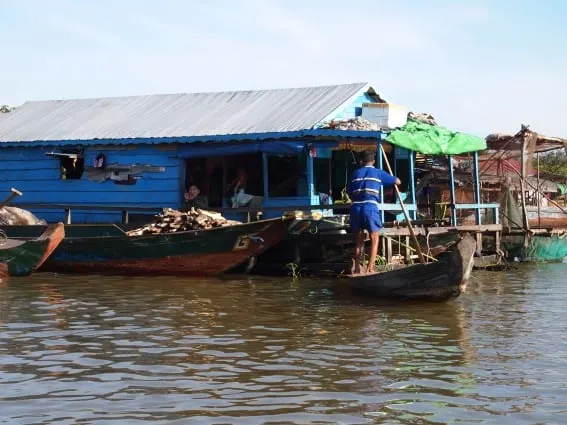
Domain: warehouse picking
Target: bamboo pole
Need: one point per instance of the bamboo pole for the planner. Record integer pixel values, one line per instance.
(406, 215)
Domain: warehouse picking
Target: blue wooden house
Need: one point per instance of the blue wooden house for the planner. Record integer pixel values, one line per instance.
(104, 158)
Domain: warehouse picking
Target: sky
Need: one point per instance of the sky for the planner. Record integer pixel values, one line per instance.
(477, 66)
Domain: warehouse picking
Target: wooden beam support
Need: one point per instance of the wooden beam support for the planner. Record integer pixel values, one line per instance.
(452, 191)
(476, 188)
(479, 243)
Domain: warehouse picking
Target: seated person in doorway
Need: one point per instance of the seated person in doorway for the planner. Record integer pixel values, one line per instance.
(237, 192)
(194, 199)
(364, 190)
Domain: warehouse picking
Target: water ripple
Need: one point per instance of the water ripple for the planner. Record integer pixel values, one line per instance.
(265, 351)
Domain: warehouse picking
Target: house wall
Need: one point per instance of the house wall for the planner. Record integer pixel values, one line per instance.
(352, 109)
(38, 177)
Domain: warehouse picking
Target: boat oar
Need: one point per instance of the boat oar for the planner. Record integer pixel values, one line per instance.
(15, 192)
(410, 227)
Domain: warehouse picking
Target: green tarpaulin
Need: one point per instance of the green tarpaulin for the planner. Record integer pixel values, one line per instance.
(434, 140)
(561, 188)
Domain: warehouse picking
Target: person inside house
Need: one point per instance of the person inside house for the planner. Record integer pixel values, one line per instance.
(193, 199)
(364, 189)
(237, 192)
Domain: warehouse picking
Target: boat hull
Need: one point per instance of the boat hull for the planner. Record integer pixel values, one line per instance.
(193, 253)
(440, 280)
(22, 257)
(549, 216)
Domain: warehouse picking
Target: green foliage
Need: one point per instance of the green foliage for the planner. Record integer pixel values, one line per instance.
(554, 163)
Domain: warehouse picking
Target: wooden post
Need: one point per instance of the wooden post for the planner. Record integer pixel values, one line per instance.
(331, 176)
(479, 243)
(125, 217)
(389, 250)
(67, 215)
(310, 176)
(224, 182)
(408, 220)
(452, 191)
(538, 195)
(265, 174)
(408, 252)
(412, 183)
(379, 150)
(476, 188)
(497, 241)
(522, 189)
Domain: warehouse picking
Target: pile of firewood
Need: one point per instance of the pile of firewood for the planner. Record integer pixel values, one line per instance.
(357, 123)
(170, 221)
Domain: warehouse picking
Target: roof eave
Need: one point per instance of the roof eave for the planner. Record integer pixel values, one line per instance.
(310, 134)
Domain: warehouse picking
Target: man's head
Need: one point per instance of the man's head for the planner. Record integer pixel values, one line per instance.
(192, 192)
(367, 157)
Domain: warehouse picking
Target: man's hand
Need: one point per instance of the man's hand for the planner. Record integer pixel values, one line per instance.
(398, 182)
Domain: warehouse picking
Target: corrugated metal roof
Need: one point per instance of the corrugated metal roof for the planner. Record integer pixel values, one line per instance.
(174, 115)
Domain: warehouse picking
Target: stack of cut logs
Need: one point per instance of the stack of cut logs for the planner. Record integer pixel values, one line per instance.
(177, 221)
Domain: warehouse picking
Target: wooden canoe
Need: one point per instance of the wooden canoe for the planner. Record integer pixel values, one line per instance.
(192, 253)
(21, 257)
(443, 279)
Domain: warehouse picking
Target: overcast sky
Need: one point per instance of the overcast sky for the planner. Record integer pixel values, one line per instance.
(477, 66)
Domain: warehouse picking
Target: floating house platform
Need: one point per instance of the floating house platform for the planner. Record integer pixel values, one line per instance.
(91, 162)
(534, 213)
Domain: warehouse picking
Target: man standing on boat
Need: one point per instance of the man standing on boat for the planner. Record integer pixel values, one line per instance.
(364, 189)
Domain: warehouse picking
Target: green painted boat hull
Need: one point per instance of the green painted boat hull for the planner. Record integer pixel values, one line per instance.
(21, 257)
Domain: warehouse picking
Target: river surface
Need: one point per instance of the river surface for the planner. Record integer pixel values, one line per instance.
(94, 350)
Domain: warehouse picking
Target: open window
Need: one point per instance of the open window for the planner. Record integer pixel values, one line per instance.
(287, 176)
(71, 163)
(215, 177)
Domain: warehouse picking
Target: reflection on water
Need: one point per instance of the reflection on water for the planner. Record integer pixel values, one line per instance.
(173, 351)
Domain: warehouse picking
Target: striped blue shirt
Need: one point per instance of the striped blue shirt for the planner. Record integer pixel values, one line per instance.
(366, 184)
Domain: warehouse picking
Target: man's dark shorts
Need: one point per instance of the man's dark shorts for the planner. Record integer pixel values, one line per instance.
(365, 216)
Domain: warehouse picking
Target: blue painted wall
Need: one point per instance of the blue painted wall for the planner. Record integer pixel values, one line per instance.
(353, 109)
(38, 177)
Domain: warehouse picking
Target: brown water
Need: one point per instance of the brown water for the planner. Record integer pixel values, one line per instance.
(90, 350)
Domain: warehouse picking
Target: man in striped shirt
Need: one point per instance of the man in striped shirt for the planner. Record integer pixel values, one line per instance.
(365, 189)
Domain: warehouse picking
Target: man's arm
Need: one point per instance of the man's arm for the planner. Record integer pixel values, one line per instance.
(389, 180)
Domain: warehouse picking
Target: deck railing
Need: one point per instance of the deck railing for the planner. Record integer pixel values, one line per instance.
(250, 212)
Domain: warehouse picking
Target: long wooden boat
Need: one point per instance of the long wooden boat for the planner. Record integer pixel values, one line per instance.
(21, 257)
(443, 279)
(549, 216)
(109, 250)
